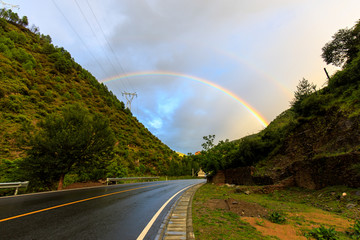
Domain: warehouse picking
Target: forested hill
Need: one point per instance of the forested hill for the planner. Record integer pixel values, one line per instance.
(39, 79)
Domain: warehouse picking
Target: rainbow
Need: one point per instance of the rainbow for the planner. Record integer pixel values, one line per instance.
(247, 106)
(286, 91)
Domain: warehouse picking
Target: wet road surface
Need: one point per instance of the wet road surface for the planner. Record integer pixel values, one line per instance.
(108, 212)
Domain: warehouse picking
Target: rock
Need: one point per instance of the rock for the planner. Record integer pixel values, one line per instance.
(350, 205)
(230, 185)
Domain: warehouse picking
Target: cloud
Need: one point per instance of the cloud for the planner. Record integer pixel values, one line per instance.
(257, 49)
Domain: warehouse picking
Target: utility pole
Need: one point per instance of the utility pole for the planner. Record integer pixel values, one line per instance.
(327, 74)
(129, 97)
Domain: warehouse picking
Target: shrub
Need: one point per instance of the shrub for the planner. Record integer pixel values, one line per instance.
(63, 65)
(277, 217)
(8, 42)
(13, 103)
(322, 233)
(3, 23)
(3, 47)
(17, 37)
(355, 230)
(22, 56)
(2, 92)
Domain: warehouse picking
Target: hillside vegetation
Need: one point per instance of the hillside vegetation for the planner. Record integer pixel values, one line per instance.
(39, 79)
(313, 144)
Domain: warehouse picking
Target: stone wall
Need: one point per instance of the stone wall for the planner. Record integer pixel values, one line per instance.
(237, 176)
(327, 171)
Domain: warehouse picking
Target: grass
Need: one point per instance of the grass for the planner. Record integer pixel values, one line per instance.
(303, 212)
(219, 224)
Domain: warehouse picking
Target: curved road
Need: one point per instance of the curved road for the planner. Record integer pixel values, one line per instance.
(108, 212)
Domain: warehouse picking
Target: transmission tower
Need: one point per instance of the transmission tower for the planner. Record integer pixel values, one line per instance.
(8, 4)
(129, 97)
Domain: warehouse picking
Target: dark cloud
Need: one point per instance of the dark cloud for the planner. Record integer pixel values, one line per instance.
(257, 49)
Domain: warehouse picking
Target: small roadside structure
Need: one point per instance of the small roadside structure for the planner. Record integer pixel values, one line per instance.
(201, 174)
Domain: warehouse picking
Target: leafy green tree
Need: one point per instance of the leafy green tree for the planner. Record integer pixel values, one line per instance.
(72, 139)
(303, 90)
(24, 21)
(209, 142)
(344, 46)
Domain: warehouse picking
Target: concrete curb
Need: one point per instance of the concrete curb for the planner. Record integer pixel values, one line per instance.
(178, 224)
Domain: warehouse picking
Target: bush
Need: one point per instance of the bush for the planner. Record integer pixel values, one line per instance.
(17, 37)
(13, 103)
(3, 23)
(7, 41)
(355, 230)
(9, 170)
(277, 217)
(22, 56)
(322, 233)
(350, 75)
(63, 65)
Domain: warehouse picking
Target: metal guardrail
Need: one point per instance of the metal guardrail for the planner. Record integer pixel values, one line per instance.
(16, 185)
(128, 178)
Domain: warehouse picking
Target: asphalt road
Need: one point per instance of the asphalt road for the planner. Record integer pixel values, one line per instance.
(108, 212)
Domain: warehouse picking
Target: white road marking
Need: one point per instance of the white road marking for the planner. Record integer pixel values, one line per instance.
(148, 226)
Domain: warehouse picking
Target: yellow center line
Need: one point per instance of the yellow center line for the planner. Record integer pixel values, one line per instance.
(70, 203)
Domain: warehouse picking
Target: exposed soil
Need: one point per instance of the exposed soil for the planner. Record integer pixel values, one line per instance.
(315, 219)
(268, 228)
(241, 208)
(296, 223)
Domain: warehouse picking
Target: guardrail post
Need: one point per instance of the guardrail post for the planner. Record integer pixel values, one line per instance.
(15, 185)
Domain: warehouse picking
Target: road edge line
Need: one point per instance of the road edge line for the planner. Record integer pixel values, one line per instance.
(156, 215)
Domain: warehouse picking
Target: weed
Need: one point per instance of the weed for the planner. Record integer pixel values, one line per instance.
(322, 233)
(355, 230)
(260, 223)
(277, 217)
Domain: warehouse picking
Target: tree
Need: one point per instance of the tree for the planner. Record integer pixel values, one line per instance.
(74, 138)
(24, 21)
(209, 142)
(344, 46)
(304, 89)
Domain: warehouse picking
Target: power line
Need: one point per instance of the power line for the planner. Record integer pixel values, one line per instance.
(83, 43)
(96, 36)
(111, 49)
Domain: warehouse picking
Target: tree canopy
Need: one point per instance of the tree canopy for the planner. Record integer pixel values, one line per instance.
(303, 90)
(344, 46)
(73, 138)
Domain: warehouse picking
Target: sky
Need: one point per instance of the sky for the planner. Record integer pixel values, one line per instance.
(199, 67)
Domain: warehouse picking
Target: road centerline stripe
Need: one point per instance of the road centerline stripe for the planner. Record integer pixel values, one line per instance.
(153, 219)
(71, 203)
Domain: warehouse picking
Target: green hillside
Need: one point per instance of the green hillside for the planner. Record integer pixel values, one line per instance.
(38, 79)
(313, 144)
